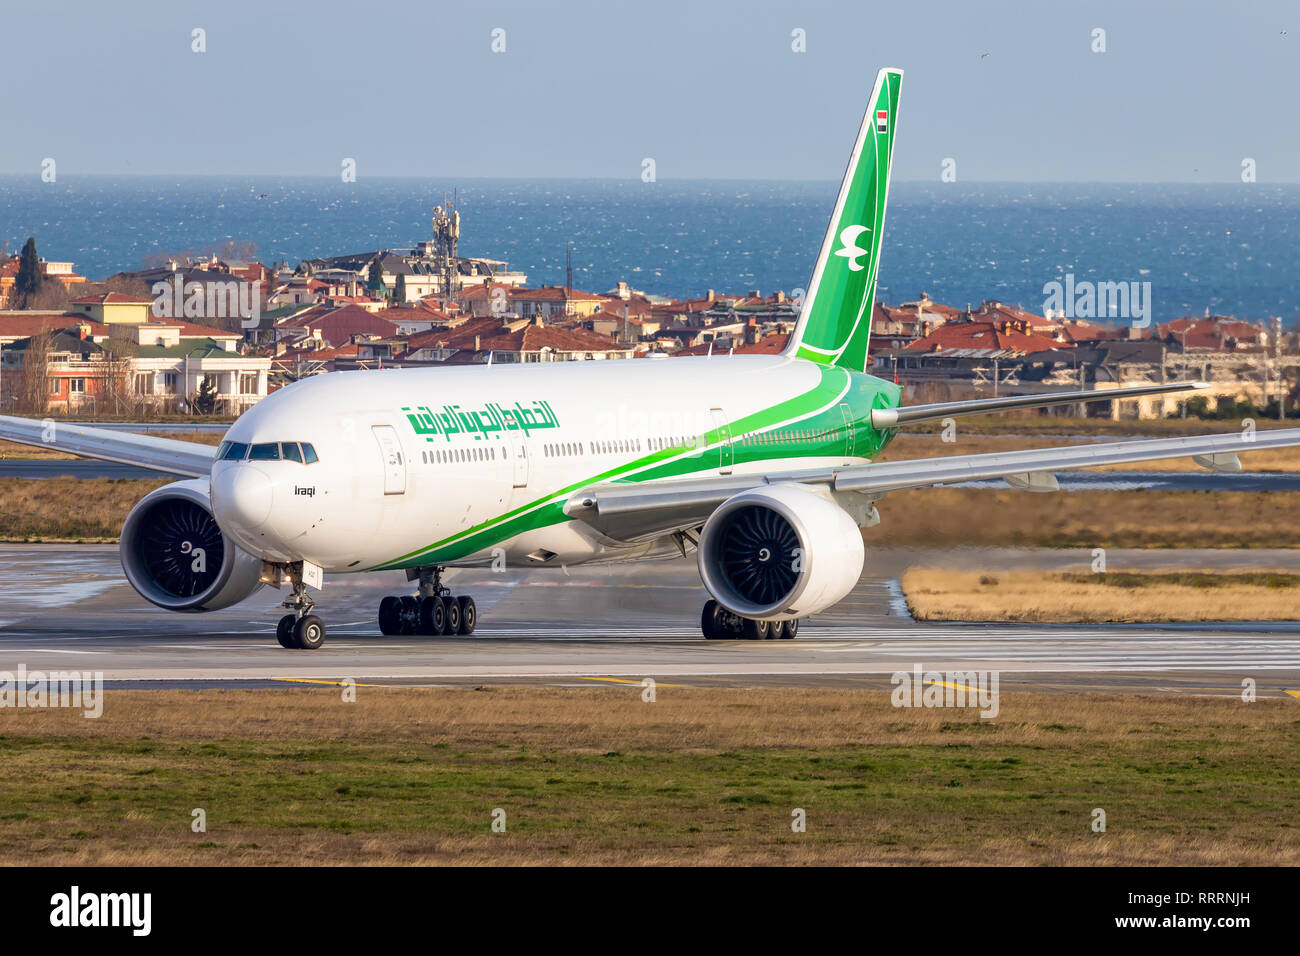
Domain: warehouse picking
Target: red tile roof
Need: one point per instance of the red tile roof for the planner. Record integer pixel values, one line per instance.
(338, 325)
(1212, 333)
(555, 293)
(999, 336)
(24, 324)
(492, 336)
(768, 345)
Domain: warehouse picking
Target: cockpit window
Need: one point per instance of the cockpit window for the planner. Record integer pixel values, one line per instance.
(265, 451)
(304, 454)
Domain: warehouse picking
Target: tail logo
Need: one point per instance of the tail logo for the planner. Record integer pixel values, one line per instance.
(849, 247)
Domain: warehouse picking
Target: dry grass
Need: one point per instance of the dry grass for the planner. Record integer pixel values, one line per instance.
(67, 509)
(910, 446)
(411, 776)
(1114, 519)
(935, 594)
(71, 509)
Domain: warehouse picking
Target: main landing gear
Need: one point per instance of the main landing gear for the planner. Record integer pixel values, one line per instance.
(719, 624)
(300, 629)
(433, 611)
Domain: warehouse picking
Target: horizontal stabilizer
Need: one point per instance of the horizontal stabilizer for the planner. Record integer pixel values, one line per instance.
(914, 414)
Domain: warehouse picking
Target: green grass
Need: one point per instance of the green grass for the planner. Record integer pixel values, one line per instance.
(694, 781)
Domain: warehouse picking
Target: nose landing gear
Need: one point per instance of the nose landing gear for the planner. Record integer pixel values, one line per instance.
(299, 629)
(433, 611)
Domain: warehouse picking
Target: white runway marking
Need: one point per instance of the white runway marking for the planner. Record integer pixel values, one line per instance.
(49, 650)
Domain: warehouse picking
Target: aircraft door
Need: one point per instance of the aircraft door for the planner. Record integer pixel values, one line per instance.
(847, 414)
(390, 452)
(517, 449)
(725, 450)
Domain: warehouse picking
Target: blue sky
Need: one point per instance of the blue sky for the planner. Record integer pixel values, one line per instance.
(1184, 92)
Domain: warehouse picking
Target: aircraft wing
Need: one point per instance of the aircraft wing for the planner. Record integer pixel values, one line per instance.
(167, 455)
(915, 414)
(632, 511)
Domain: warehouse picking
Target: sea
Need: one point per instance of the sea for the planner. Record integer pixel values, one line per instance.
(1230, 248)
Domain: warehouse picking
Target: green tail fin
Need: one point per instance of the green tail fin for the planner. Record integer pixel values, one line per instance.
(835, 324)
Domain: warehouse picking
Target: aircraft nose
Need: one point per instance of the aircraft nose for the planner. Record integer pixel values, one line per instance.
(242, 493)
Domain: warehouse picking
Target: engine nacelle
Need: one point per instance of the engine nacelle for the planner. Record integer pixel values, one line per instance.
(779, 552)
(175, 556)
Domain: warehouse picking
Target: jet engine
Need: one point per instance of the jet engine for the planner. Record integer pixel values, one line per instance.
(779, 552)
(175, 556)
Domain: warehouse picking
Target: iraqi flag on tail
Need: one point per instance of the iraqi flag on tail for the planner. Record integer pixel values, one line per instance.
(882, 121)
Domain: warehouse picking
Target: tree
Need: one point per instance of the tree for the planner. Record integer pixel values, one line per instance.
(204, 401)
(52, 296)
(399, 293)
(118, 352)
(376, 277)
(29, 279)
(36, 368)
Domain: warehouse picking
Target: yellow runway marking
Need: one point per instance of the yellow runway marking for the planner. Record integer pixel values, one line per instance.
(620, 680)
(333, 683)
(1294, 693)
(944, 683)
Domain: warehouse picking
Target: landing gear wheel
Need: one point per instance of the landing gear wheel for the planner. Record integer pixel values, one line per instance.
(753, 630)
(309, 632)
(453, 617)
(390, 615)
(776, 631)
(791, 629)
(468, 614)
(433, 616)
(284, 632)
(410, 614)
(710, 626)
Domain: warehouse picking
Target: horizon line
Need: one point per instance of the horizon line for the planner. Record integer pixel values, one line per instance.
(35, 177)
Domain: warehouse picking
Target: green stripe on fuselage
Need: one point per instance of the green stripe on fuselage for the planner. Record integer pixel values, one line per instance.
(817, 411)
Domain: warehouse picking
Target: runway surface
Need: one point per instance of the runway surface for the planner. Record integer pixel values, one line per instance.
(67, 607)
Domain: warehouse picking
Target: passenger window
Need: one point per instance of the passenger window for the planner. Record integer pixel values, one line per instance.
(234, 451)
(265, 451)
(290, 452)
(308, 454)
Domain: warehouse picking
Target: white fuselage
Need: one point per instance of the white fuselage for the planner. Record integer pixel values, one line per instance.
(409, 458)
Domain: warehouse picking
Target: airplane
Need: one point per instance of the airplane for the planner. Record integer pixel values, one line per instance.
(761, 465)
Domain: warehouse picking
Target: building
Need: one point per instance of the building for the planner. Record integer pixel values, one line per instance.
(95, 368)
(487, 339)
(170, 375)
(78, 374)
